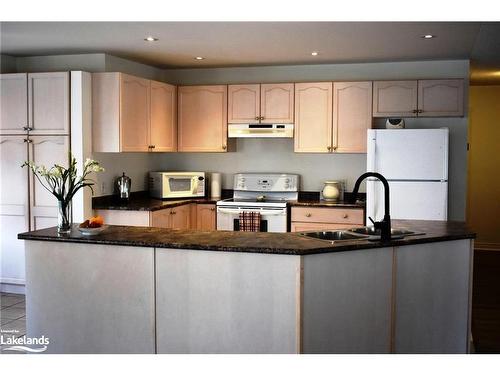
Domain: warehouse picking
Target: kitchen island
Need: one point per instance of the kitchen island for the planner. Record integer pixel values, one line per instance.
(152, 290)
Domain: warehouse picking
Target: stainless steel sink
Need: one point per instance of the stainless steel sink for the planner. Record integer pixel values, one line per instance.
(374, 234)
(335, 235)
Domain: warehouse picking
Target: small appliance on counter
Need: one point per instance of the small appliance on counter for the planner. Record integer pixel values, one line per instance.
(164, 185)
(215, 185)
(395, 123)
(124, 183)
(264, 193)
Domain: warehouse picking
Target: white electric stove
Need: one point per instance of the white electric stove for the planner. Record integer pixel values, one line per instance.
(266, 193)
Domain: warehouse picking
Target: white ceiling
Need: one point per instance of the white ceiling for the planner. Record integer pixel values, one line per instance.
(254, 43)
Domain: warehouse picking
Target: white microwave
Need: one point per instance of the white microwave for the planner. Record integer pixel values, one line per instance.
(165, 185)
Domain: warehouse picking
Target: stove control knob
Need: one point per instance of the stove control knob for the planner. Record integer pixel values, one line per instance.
(287, 186)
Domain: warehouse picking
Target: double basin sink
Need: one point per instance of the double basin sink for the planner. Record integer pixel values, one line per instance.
(357, 234)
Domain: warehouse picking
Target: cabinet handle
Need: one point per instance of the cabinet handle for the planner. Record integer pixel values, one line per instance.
(329, 148)
(27, 128)
(153, 146)
(257, 117)
(345, 216)
(308, 215)
(334, 148)
(415, 111)
(420, 111)
(261, 118)
(28, 141)
(224, 147)
(212, 209)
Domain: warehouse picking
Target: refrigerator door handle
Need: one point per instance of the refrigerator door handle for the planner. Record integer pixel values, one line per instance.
(371, 141)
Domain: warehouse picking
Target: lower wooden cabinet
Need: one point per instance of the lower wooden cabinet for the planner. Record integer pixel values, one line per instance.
(322, 218)
(205, 217)
(186, 216)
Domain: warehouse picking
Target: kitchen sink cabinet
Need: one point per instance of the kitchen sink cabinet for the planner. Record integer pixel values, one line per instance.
(205, 217)
(332, 118)
(422, 98)
(38, 102)
(132, 114)
(264, 103)
(320, 218)
(202, 118)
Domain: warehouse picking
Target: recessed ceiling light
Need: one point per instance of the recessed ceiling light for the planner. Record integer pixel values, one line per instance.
(428, 36)
(150, 39)
(199, 58)
(314, 53)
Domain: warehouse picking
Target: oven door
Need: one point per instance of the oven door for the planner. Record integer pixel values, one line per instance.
(272, 219)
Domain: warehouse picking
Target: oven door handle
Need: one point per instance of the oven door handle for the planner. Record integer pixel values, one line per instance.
(262, 212)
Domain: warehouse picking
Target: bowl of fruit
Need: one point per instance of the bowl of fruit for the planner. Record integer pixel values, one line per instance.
(92, 226)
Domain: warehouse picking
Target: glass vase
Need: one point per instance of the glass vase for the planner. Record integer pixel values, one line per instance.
(64, 219)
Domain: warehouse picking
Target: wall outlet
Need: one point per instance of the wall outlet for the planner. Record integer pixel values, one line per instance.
(103, 187)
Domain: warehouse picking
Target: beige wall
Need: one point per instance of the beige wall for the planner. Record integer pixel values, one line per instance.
(483, 199)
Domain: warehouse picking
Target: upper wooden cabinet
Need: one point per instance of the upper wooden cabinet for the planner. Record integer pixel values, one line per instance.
(313, 117)
(332, 118)
(267, 103)
(243, 104)
(163, 117)
(423, 98)
(202, 118)
(35, 102)
(13, 103)
(352, 116)
(276, 102)
(132, 114)
(441, 98)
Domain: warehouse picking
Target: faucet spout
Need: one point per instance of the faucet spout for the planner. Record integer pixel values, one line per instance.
(385, 224)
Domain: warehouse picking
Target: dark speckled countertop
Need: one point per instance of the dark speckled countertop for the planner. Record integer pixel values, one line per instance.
(141, 201)
(269, 243)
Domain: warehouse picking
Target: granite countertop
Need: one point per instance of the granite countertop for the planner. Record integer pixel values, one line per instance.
(269, 243)
(141, 201)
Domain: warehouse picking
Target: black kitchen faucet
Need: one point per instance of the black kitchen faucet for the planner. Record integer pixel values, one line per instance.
(385, 224)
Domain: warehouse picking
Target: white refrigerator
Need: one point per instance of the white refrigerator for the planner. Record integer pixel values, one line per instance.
(415, 163)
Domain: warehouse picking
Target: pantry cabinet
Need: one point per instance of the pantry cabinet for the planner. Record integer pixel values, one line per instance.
(423, 98)
(313, 117)
(265, 103)
(202, 118)
(132, 114)
(352, 116)
(45, 150)
(35, 102)
(321, 218)
(205, 217)
(332, 117)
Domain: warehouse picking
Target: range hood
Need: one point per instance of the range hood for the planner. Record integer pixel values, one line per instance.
(260, 130)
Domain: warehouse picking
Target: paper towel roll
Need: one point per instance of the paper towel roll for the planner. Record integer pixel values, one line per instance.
(215, 185)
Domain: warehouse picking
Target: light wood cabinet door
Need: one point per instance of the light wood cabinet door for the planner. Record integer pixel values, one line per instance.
(181, 217)
(202, 118)
(395, 98)
(352, 116)
(13, 103)
(313, 117)
(45, 150)
(14, 206)
(163, 117)
(328, 215)
(276, 102)
(134, 113)
(161, 218)
(205, 217)
(441, 98)
(49, 103)
(243, 104)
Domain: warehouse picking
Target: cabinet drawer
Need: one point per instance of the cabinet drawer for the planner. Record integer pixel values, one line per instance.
(328, 215)
(298, 226)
